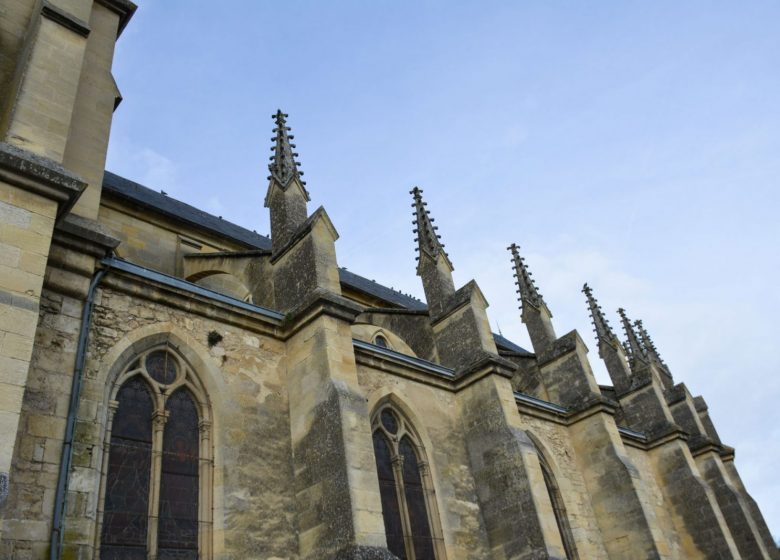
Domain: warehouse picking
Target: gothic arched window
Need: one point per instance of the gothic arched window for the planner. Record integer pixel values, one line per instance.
(158, 466)
(556, 500)
(406, 490)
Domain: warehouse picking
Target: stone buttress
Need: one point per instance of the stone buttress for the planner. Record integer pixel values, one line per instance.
(618, 494)
(336, 486)
(642, 383)
(515, 508)
(57, 97)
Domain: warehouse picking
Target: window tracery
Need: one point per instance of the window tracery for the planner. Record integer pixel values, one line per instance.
(405, 487)
(158, 461)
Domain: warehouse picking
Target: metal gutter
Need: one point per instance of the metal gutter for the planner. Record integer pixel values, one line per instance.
(533, 401)
(60, 499)
(631, 433)
(113, 263)
(180, 284)
(411, 360)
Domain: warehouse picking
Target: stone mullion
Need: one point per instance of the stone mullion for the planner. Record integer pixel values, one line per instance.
(205, 473)
(406, 524)
(113, 406)
(432, 507)
(158, 423)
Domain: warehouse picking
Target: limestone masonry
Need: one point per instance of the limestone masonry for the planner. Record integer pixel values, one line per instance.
(173, 386)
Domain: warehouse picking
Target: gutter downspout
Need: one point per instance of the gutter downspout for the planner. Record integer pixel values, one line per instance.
(60, 500)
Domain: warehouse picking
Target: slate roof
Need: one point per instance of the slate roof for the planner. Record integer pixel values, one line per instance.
(144, 196)
(507, 344)
(138, 194)
(376, 289)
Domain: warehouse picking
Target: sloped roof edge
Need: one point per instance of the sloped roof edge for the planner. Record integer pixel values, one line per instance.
(120, 187)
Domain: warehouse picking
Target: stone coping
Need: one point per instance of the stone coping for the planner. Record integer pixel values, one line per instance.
(149, 274)
(40, 175)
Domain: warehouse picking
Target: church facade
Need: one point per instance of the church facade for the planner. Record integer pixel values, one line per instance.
(174, 386)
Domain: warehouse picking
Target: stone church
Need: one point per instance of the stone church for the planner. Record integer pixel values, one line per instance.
(174, 386)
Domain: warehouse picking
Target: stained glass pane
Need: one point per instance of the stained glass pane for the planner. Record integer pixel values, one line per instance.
(387, 491)
(178, 527)
(127, 483)
(161, 367)
(389, 421)
(415, 501)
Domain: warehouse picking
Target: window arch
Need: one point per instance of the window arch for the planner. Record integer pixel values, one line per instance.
(381, 340)
(556, 500)
(406, 490)
(156, 486)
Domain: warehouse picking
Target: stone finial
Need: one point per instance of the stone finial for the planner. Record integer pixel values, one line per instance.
(610, 349)
(649, 346)
(283, 166)
(637, 356)
(534, 311)
(525, 284)
(433, 264)
(601, 325)
(428, 241)
(286, 196)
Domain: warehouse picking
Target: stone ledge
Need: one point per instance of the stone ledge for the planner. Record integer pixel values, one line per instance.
(198, 303)
(363, 552)
(124, 8)
(41, 176)
(319, 302)
(65, 19)
(229, 254)
(487, 364)
(89, 236)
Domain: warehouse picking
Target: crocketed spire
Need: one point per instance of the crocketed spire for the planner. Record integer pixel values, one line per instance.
(283, 166)
(428, 241)
(533, 310)
(648, 345)
(634, 348)
(601, 325)
(525, 284)
(611, 350)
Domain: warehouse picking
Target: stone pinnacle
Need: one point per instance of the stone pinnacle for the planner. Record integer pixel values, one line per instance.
(525, 284)
(283, 166)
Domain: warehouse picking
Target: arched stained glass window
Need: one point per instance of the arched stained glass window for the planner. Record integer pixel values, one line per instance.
(408, 504)
(126, 511)
(388, 493)
(154, 485)
(178, 526)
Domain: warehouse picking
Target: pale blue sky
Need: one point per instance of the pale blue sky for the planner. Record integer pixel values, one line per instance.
(632, 145)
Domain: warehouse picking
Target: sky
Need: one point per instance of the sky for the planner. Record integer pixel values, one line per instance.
(631, 145)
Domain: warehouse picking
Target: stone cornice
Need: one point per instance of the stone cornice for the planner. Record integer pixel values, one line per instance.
(84, 236)
(390, 362)
(65, 19)
(190, 298)
(229, 254)
(488, 364)
(124, 8)
(320, 302)
(41, 176)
